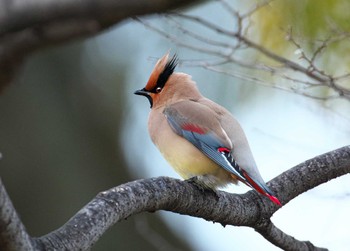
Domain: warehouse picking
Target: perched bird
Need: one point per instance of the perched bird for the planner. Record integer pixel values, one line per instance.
(199, 138)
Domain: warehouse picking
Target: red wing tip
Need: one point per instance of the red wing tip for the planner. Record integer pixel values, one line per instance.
(223, 149)
(274, 200)
(193, 128)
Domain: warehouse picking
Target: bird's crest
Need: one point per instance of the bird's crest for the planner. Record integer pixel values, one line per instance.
(161, 73)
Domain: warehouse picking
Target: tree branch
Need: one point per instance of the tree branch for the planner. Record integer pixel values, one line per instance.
(292, 65)
(13, 235)
(20, 15)
(239, 41)
(277, 237)
(162, 193)
(28, 25)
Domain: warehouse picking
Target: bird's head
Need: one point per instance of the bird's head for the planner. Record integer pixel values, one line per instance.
(163, 69)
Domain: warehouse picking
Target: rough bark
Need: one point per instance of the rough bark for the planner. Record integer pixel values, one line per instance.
(13, 235)
(29, 25)
(32, 24)
(163, 193)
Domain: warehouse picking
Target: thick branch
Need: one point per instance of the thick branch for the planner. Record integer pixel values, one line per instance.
(19, 15)
(13, 236)
(312, 173)
(283, 240)
(163, 193)
(28, 25)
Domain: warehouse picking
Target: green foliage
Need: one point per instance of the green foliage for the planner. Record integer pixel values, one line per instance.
(309, 23)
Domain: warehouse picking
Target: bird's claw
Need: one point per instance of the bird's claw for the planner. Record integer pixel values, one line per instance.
(201, 186)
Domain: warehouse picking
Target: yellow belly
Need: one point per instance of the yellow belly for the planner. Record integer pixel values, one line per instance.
(188, 162)
(184, 157)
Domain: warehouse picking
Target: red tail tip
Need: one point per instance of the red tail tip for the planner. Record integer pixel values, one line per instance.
(274, 200)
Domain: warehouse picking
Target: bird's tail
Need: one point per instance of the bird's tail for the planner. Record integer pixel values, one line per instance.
(260, 188)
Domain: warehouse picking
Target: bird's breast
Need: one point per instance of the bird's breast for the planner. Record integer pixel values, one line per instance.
(184, 157)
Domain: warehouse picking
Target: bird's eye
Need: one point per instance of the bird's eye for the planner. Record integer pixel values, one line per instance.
(159, 89)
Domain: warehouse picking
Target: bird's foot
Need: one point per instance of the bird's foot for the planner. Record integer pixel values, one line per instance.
(197, 182)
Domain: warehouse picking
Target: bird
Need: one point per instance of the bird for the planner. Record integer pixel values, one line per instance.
(199, 138)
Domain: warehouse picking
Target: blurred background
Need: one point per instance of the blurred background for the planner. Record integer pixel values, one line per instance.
(71, 127)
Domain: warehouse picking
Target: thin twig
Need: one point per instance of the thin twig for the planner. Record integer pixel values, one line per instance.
(290, 64)
(196, 36)
(227, 51)
(255, 8)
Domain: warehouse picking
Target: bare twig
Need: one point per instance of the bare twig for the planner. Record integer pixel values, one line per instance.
(290, 64)
(310, 74)
(256, 7)
(198, 37)
(214, 52)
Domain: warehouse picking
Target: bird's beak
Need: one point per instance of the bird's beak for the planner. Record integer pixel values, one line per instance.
(144, 92)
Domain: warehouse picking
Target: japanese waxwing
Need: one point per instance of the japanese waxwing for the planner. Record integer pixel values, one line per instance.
(200, 139)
